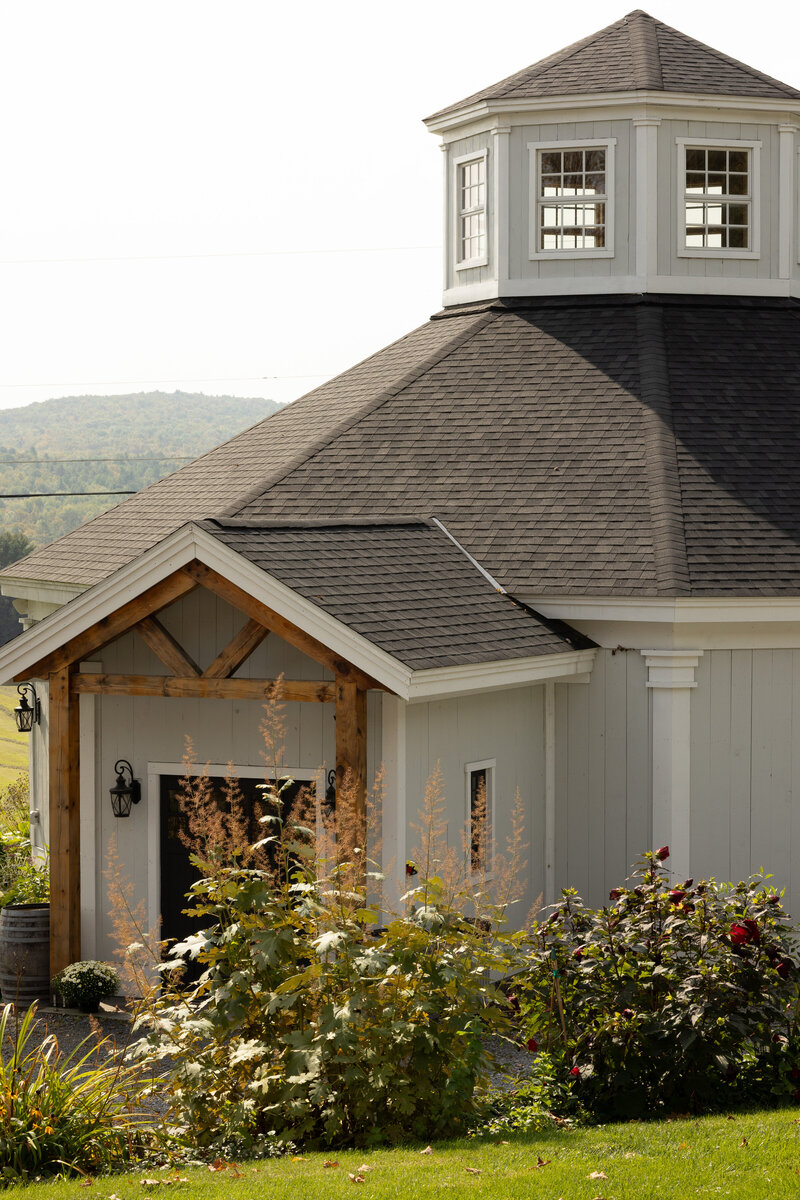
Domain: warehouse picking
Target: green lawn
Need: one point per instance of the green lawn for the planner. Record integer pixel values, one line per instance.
(13, 745)
(746, 1157)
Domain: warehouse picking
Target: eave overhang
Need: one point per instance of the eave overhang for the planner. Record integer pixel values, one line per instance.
(190, 542)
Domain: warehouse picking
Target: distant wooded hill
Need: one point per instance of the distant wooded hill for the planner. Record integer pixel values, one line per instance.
(166, 426)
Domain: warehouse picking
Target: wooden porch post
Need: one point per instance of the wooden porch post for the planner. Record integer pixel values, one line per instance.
(65, 845)
(351, 748)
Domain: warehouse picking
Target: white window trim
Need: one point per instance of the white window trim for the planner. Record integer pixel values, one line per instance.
(684, 251)
(796, 205)
(490, 766)
(483, 259)
(534, 253)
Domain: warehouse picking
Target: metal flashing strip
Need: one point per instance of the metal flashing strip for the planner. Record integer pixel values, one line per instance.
(498, 587)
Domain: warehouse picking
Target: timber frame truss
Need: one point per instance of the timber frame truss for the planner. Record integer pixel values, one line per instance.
(61, 668)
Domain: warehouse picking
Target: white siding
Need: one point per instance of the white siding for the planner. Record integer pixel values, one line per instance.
(746, 767)
(507, 726)
(603, 775)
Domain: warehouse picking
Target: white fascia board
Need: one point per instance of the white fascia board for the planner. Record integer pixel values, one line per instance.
(617, 285)
(175, 551)
(41, 590)
(690, 611)
(439, 683)
(736, 108)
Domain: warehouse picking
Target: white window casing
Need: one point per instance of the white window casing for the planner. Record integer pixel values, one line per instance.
(474, 771)
(471, 216)
(571, 208)
(704, 204)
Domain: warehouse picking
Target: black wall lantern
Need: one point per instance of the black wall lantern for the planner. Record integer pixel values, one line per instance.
(123, 794)
(27, 715)
(330, 791)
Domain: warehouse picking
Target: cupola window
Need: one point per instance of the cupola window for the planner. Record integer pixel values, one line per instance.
(471, 193)
(572, 186)
(718, 188)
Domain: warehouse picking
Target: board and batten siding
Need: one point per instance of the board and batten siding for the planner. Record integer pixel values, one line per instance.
(603, 775)
(507, 726)
(148, 730)
(745, 767)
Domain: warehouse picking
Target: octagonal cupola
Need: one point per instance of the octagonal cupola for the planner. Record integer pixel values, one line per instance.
(637, 160)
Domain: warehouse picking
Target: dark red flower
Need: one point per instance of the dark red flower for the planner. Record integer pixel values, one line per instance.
(739, 935)
(752, 929)
(614, 894)
(795, 1072)
(687, 909)
(662, 853)
(676, 895)
(774, 898)
(532, 1045)
(578, 953)
(796, 1094)
(411, 868)
(687, 883)
(513, 1002)
(575, 1071)
(783, 969)
(627, 1013)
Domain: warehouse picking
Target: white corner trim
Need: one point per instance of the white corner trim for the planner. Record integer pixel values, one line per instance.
(671, 668)
(549, 792)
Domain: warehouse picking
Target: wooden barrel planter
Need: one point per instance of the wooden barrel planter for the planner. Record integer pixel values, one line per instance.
(25, 954)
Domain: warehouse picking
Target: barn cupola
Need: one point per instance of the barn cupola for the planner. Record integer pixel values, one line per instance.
(637, 160)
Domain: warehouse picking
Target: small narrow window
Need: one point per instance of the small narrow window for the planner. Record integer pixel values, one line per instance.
(572, 199)
(717, 198)
(480, 814)
(471, 185)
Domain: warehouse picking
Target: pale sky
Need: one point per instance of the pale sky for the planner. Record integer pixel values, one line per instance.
(209, 195)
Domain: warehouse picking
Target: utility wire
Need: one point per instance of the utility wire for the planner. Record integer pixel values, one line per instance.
(215, 254)
(46, 462)
(203, 379)
(43, 495)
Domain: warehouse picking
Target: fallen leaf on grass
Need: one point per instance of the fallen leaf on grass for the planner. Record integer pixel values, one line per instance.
(472, 1170)
(630, 1154)
(331, 1162)
(363, 1169)
(150, 1183)
(743, 1142)
(298, 1158)
(87, 1182)
(355, 1178)
(541, 1162)
(427, 1150)
(597, 1175)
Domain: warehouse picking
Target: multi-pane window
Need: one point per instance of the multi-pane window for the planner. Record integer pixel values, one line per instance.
(480, 787)
(471, 185)
(572, 199)
(717, 198)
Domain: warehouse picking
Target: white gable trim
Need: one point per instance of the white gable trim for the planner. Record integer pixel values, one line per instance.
(190, 542)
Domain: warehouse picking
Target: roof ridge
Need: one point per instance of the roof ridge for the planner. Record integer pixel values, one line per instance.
(728, 59)
(666, 508)
(430, 360)
(645, 54)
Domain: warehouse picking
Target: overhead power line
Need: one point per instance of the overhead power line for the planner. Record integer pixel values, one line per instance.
(46, 462)
(102, 258)
(44, 495)
(178, 379)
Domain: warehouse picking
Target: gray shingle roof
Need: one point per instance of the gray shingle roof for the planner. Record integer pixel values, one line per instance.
(636, 53)
(404, 586)
(608, 446)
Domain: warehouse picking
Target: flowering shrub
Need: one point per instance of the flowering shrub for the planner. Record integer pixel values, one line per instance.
(85, 984)
(660, 999)
(311, 1023)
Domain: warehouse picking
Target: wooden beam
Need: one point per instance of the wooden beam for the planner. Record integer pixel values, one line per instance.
(165, 647)
(237, 651)
(351, 751)
(211, 579)
(199, 687)
(109, 628)
(65, 844)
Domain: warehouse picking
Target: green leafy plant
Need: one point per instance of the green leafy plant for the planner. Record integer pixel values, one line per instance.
(312, 1023)
(59, 1113)
(85, 984)
(23, 878)
(545, 1100)
(666, 997)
